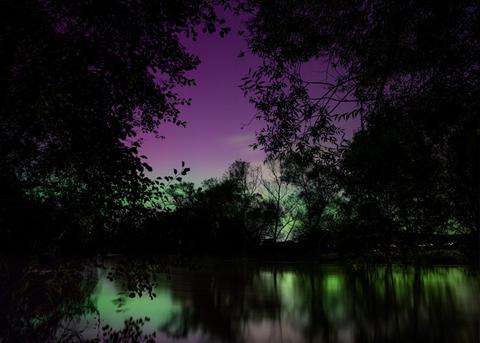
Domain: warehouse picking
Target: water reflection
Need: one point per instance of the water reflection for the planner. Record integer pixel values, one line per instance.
(240, 303)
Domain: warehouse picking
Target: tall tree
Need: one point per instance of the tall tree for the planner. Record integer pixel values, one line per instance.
(415, 63)
(78, 81)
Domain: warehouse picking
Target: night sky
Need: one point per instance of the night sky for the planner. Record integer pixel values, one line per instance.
(214, 136)
(219, 121)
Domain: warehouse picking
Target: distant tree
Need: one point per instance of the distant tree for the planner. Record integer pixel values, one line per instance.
(246, 180)
(318, 186)
(283, 195)
(225, 215)
(246, 177)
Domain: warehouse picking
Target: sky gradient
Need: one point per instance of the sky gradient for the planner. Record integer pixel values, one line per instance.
(219, 121)
(214, 136)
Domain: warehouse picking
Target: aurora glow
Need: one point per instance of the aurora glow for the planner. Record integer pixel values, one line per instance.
(220, 125)
(214, 136)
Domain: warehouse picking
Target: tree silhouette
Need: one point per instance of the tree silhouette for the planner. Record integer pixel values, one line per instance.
(283, 196)
(79, 81)
(411, 67)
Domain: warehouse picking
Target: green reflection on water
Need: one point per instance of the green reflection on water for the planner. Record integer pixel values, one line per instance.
(114, 307)
(279, 303)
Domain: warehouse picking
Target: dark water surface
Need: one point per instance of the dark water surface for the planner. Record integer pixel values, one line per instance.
(127, 301)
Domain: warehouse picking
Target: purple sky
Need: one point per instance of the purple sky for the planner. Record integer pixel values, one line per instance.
(214, 137)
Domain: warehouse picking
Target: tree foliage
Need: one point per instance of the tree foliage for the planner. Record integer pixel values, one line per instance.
(79, 80)
(408, 70)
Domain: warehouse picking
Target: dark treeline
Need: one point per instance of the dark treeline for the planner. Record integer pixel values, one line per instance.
(79, 80)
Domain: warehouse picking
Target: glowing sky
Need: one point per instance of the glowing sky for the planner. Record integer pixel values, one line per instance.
(214, 136)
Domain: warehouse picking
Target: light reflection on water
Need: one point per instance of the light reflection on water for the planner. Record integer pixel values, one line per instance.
(295, 305)
(240, 303)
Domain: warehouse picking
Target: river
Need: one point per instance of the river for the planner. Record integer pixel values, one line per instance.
(127, 301)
